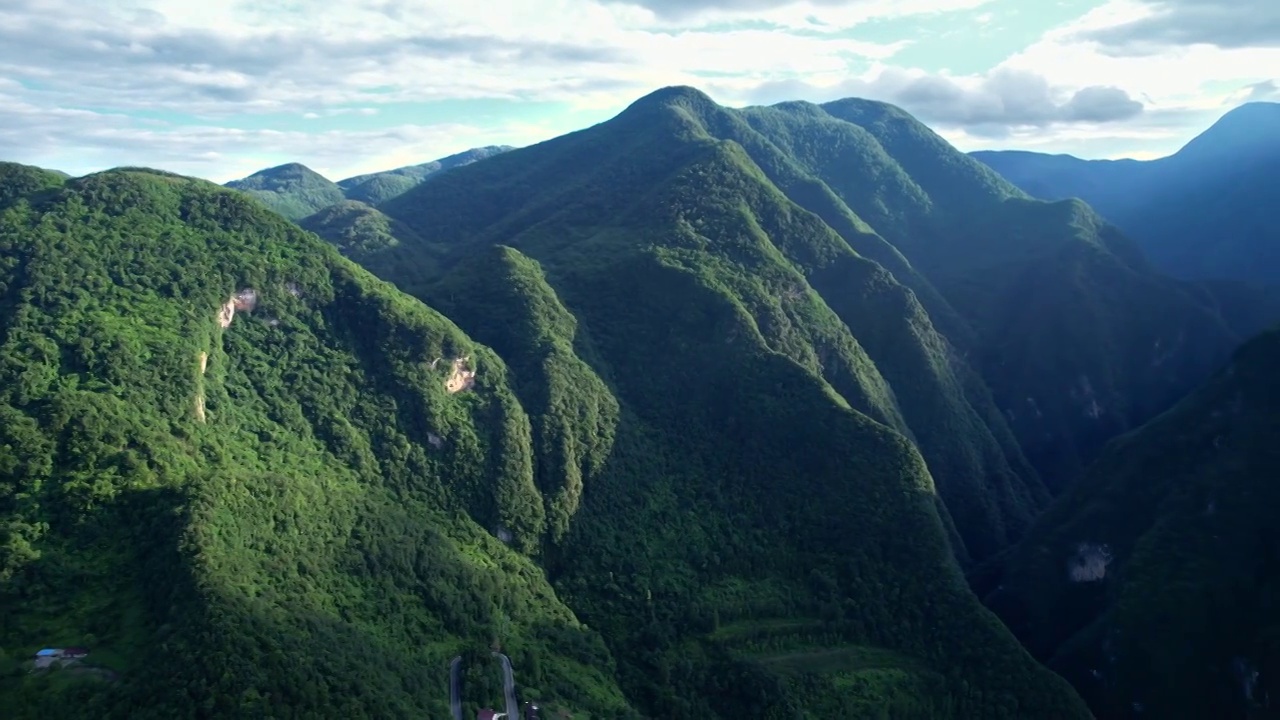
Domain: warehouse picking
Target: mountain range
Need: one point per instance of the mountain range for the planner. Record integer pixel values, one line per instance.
(296, 191)
(697, 412)
(1204, 212)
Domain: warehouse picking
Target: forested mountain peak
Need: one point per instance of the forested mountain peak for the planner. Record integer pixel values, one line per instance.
(293, 190)
(273, 178)
(1247, 132)
(296, 191)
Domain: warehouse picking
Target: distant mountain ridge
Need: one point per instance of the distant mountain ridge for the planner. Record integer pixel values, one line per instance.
(296, 191)
(374, 188)
(1201, 213)
(293, 189)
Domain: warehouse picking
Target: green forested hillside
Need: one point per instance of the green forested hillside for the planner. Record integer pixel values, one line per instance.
(232, 469)
(18, 181)
(922, 289)
(357, 229)
(374, 188)
(691, 531)
(1072, 328)
(293, 190)
(342, 212)
(1153, 583)
(255, 481)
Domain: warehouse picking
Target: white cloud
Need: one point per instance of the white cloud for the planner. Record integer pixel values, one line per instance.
(220, 59)
(1068, 92)
(828, 15)
(128, 62)
(1221, 23)
(1265, 91)
(98, 140)
(991, 105)
(1179, 76)
(222, 62)
(1184, 87)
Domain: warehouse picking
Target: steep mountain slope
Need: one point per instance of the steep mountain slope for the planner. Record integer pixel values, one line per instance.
(1153, 584)
(356, 229)
(1203, 212)
(293, 190)
(1072, 326)
(374, 188)
(251, 478)
(663, 262)
(1003, 282)
(805, 286)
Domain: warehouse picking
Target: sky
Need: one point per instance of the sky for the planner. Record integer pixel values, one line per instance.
(222, 88)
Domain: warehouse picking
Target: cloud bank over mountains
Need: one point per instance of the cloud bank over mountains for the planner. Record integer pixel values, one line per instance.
(220, 90)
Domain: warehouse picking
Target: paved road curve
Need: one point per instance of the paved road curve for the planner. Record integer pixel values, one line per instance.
(455, 697)
(509, 687)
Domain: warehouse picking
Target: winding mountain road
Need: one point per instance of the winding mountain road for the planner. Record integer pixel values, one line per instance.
(455, 696)
(509, 687)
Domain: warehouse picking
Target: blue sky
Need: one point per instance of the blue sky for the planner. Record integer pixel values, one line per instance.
(222, 88)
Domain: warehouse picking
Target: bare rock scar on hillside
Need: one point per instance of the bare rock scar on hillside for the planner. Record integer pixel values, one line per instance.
(243, 301)
(1090, 562)
(462, 377)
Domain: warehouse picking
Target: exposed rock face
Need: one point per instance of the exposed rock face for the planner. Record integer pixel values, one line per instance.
(245, 300)
(227, 313)
(1090, 562)
(462, 377)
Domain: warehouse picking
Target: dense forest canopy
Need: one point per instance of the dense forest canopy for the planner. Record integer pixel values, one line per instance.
(697, 412)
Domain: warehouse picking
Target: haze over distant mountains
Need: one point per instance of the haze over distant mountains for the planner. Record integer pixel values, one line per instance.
(1205, 212)
(696, 412)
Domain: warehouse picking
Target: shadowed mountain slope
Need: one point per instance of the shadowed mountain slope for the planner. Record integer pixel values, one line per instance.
(1152, 584)
(1205, 212)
